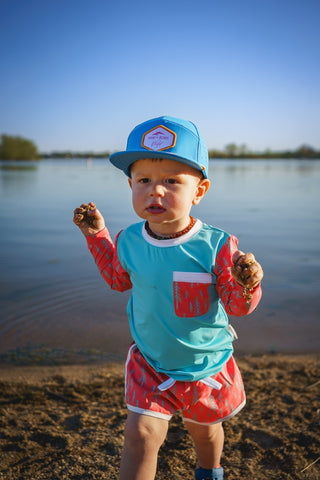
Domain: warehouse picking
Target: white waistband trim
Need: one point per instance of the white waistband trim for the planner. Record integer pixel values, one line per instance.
(211, 382)
(167, 384)
(207, 381)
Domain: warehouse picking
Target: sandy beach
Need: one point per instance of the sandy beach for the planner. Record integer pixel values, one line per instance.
(67, 422)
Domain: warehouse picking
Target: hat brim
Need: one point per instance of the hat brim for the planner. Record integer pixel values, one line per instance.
(124, 160)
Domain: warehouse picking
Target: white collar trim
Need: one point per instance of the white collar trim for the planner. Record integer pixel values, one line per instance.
(172, 242)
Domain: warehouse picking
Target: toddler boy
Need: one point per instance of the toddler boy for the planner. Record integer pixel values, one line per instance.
(185, 277)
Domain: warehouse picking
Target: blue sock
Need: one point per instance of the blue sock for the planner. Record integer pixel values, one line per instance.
(209, 474)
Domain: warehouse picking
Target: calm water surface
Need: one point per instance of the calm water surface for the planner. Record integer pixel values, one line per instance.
(53, 299)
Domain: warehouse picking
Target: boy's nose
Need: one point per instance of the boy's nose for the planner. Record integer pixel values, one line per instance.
(157, 190)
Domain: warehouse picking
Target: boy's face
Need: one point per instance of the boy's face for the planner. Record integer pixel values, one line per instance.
(163, 192)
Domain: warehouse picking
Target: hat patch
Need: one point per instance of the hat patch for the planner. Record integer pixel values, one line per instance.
(159, 138)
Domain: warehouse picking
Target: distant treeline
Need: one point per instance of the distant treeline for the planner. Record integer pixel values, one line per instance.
(234, 151)
(69, 154)
(230, 151)
(18, 148)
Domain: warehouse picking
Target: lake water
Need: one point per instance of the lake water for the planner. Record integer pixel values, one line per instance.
(56, 307)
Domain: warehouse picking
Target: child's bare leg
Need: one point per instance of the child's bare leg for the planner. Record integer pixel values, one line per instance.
(144, 436)
(208, 441)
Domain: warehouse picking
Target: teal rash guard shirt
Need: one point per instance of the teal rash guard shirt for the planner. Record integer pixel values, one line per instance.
(182, 290)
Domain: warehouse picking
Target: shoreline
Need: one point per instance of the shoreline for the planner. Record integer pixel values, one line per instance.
(30, 373)
(269, 340)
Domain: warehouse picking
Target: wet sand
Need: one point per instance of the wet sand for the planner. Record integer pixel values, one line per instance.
(67, 422)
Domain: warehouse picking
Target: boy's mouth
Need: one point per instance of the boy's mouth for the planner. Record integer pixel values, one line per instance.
(155, 209)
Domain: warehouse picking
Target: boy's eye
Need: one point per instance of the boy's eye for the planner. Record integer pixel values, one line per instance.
(144, 180)
(171, 181)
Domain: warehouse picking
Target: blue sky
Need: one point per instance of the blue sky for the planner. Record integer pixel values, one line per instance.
(80, 74)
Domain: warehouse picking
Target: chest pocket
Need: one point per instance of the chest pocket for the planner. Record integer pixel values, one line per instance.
(190, 293)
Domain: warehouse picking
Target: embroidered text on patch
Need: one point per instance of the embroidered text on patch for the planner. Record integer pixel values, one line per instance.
(159, 138)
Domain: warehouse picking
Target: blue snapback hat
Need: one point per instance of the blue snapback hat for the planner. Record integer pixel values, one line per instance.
(164, 137)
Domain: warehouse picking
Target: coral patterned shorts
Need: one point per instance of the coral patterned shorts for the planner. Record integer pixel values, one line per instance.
(210, 400)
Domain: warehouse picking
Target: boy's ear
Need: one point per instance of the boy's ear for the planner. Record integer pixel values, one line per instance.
(202, 188)
(130, 182)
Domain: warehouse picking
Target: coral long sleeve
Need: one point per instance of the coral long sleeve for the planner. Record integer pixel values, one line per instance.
(105, 256)
(235, 300)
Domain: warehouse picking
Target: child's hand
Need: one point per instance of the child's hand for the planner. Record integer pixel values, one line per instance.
(88, 218)
(246, 270)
